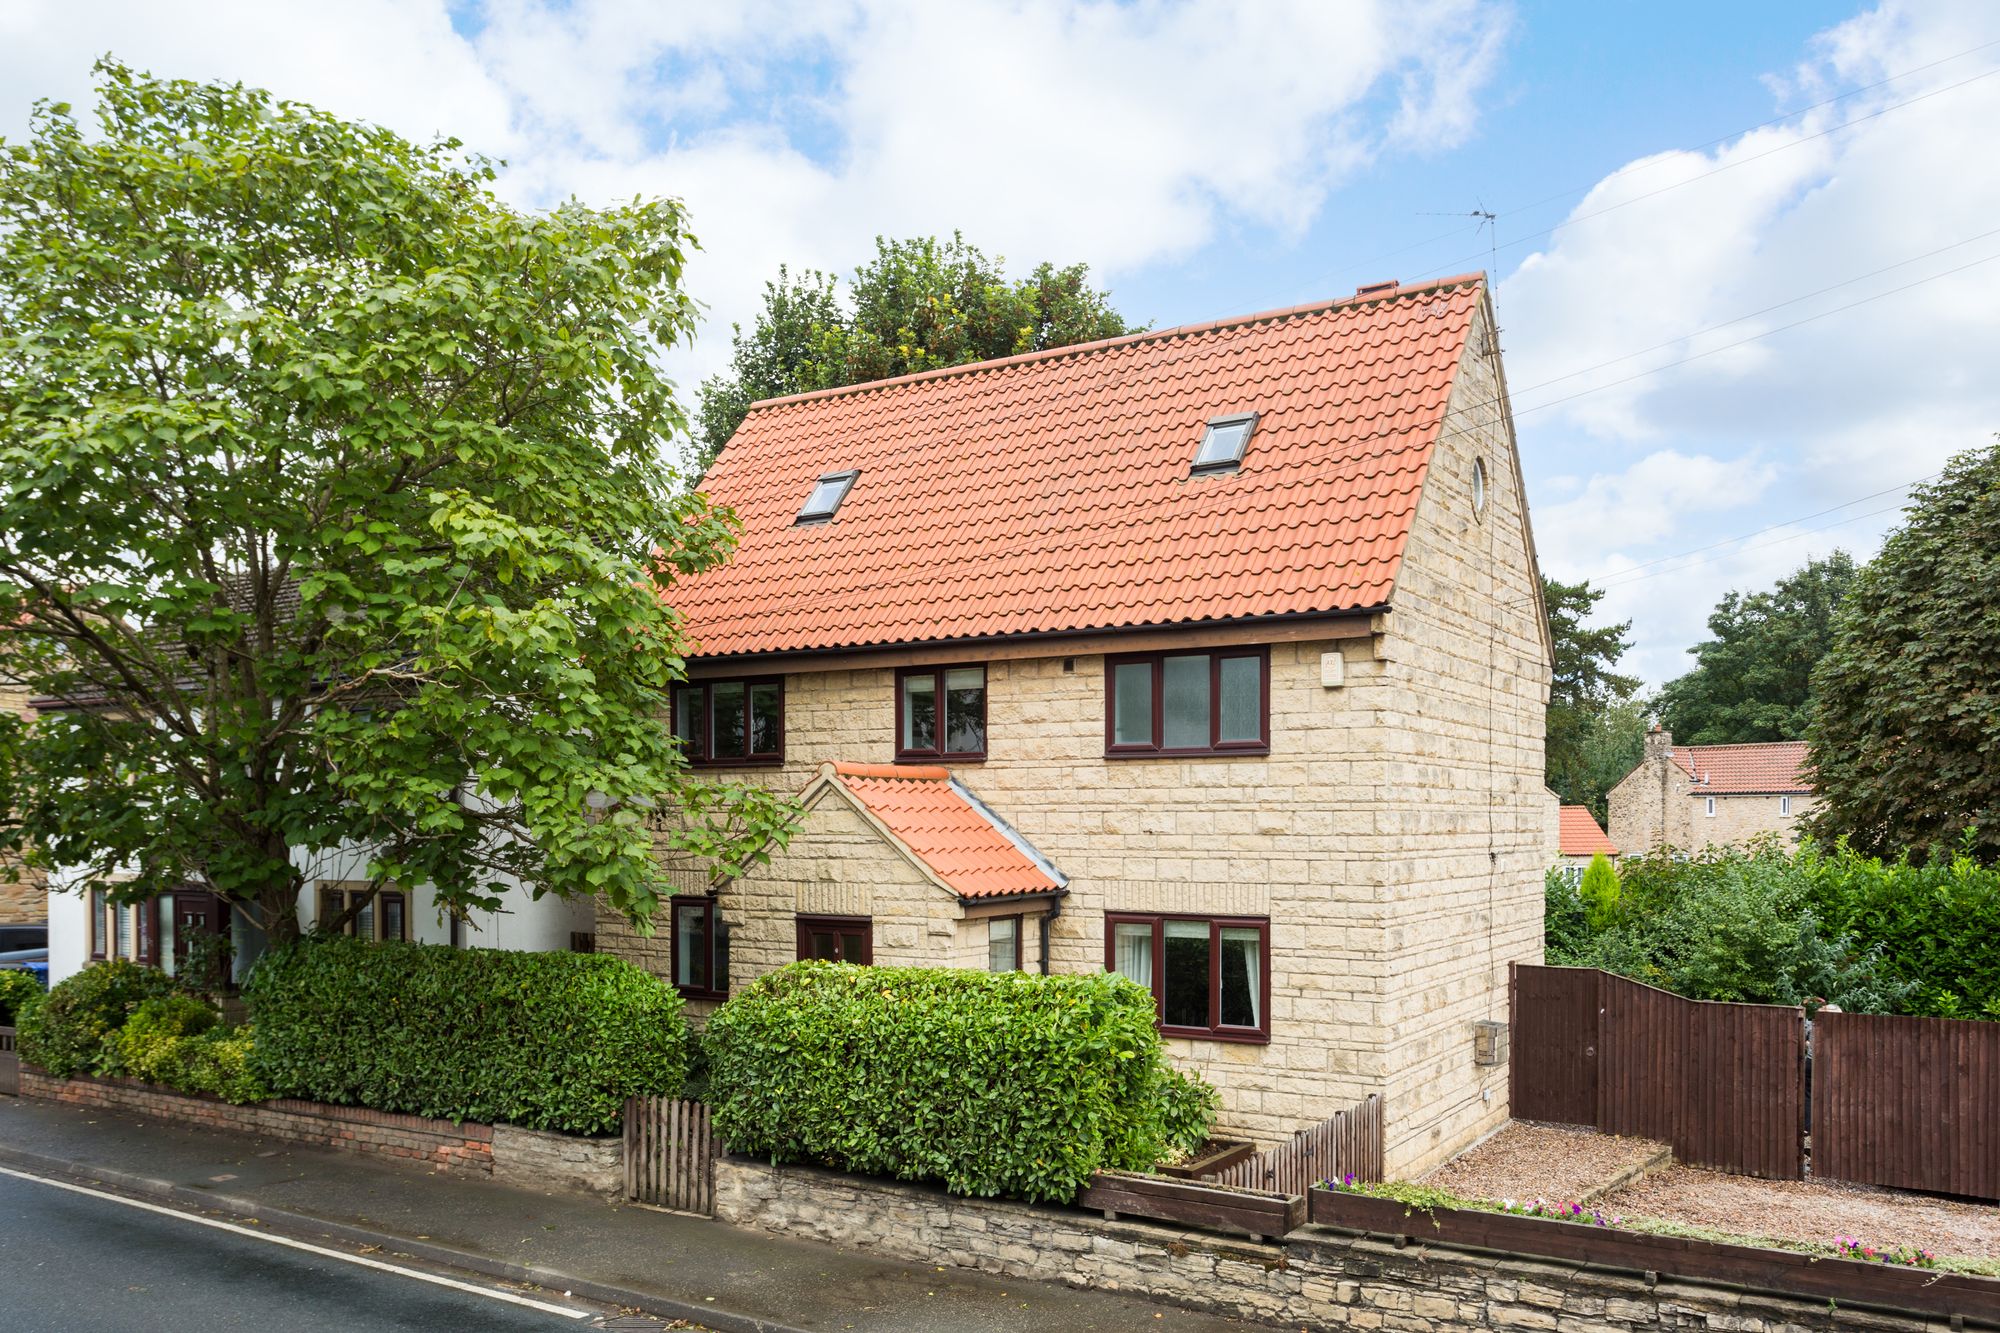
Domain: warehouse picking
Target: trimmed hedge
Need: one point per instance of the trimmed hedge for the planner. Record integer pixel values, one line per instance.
(543, 1040)
(993, 1083)
(18, 990)
(75, 1029)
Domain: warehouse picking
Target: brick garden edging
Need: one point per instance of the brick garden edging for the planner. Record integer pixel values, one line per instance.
(1317, 1276)
(531, 1158)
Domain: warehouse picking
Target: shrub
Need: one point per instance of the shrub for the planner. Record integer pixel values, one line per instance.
(992, 1083)
(1186, 1105)
(147, 1042)
(18, 990)
(1599, 893)
(74, 1030)
(545, 1040)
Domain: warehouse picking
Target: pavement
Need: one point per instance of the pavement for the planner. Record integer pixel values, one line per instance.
(619, 1255)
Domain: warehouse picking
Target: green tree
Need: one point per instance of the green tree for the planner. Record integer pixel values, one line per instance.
(1595, 734)
(332, 501)
(1599, 892)
(1905, 734)
(1753, 680)
(917, 305)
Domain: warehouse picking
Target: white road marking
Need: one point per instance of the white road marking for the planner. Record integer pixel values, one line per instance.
(567, 1312)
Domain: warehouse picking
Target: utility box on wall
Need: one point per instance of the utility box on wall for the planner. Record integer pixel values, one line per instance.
(1489, 1042)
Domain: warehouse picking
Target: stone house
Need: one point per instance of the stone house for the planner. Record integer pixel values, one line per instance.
(1689, 797)
(1212, 655)
(1579, 837)
(24, 894)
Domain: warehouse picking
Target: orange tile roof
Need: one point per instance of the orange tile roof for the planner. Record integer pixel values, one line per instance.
(1049, 493)
(1772, 768)
(950, 830)
(1579, 834)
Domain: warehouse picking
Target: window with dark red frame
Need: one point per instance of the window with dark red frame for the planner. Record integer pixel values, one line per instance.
(700, 962)
(837, 939)
(1216, 702)
(941, 712)
(1210, 976)
(731, 721)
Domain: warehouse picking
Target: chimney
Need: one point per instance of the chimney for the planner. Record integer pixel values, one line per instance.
(1659, 741)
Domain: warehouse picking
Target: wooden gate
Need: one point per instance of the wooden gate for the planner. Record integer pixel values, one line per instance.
(1350, 1142)
(1907, 1102)
(670, 1152)
(10, 1064)
(1723, 1083)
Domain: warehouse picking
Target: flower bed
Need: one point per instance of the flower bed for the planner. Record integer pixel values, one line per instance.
(1571, 1231)
(1259, 1214)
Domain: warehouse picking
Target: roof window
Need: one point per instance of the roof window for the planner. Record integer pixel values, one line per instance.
(827, 493)
(1222, 444)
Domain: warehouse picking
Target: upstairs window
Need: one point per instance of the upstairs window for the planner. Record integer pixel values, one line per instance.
(1222, 444)
(731, 721)
(941, 713)
(827, 493)
(1188, 703)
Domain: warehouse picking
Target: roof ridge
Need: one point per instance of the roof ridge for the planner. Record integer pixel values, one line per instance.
(907, 772)
(1362, 296)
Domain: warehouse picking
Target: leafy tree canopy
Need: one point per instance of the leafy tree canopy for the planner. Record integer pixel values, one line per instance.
(1753, 680)
(1905, 733)
(917, 305)
(333, 508)
(1595, 733)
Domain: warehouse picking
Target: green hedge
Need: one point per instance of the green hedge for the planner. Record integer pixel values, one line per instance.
(545, 1040)
(992, 1083)
(18, 990)
(75, 1029)
(179, 1042)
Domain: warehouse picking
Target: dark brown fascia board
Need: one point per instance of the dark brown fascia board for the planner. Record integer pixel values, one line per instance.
(1291, 627)
(1008, 901)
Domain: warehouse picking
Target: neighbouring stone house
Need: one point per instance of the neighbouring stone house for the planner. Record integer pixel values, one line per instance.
(24, 894)
(1579, 837)
(1688, 797)
(1212, 655)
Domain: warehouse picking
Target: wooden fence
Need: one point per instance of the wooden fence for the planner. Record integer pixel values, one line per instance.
(1907, 1102)
(1348, 1142)
(1724, 1084)
(670, 1152)
(10, 1064)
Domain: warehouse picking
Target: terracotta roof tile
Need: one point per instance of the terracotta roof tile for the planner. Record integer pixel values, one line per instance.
(950, 830)
(1050, 492)
(1578, 833)
(1772, 768)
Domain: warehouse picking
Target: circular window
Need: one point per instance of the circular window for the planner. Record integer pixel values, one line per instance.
(1479, 486)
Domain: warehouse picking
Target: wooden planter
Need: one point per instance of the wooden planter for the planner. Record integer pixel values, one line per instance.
(1259, 1214)
(1843, 1281)
(1221, 1155)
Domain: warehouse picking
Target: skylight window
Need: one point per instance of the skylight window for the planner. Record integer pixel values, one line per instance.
(1222, 444)
(827, 493)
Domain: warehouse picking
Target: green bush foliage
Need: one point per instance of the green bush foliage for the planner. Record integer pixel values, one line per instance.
(1769, 925)
(178, 1041)
(1188, 1104)
(75, 1030)
(544, 1040)
(1599, 891)
(18, 990)
(991, 1083)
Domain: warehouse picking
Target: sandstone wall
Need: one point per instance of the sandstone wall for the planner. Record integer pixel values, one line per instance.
(1314, 1278)
(24, 896)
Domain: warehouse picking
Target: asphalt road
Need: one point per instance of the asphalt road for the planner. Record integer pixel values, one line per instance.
(72, 1261)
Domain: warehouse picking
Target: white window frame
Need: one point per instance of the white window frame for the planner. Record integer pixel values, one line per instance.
(1784, 805)
(1711, 807)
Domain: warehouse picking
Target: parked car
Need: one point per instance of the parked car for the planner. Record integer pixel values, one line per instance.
(28, 960)
(16, 937)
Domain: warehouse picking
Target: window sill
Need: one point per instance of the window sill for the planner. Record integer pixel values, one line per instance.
(696, 993)
(765, 762)
(1242, 1036)
(1242, 752)
(942, 759)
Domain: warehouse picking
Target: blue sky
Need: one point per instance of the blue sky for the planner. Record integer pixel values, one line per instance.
(1215, 159)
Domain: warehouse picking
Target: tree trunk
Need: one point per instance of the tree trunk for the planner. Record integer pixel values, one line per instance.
(278, 914)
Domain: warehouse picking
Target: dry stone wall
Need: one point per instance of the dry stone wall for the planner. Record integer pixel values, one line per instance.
(1315, 1278)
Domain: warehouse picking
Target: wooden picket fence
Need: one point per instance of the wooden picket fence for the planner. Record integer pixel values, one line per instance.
(1348, 1142)
(670, 1152)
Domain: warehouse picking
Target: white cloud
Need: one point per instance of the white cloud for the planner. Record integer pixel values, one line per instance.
(1809, 417)
(1121, 134)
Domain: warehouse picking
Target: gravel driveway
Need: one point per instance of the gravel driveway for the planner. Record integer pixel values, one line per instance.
(1527, 1160)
